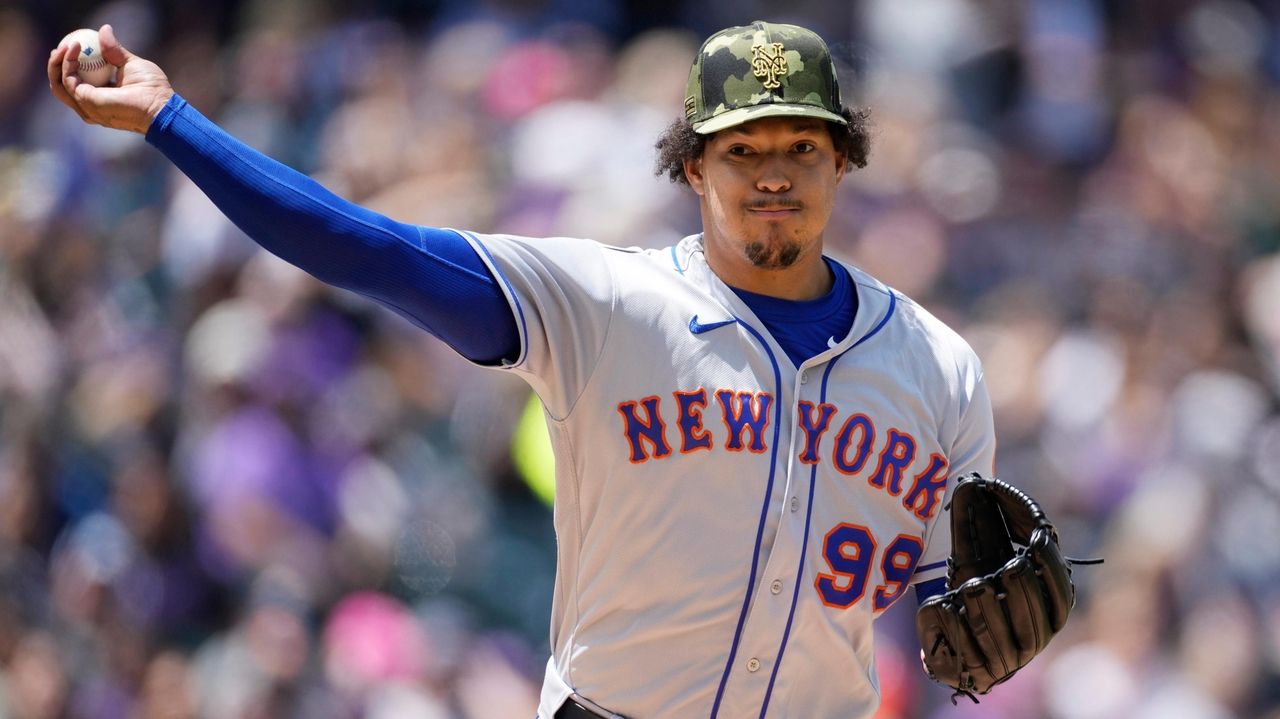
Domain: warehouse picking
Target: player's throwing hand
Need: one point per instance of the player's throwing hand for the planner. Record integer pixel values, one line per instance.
(141, 90)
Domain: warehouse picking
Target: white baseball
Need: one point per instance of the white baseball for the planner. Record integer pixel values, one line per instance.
(94, 68)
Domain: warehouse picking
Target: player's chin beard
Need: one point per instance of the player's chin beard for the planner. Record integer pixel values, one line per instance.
(774, 253)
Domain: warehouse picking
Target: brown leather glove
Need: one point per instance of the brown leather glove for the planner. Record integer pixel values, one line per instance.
(1009, 589)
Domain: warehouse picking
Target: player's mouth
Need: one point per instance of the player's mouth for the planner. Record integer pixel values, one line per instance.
(774, 210)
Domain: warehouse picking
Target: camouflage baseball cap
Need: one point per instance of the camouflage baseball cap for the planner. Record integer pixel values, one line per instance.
(761, 70)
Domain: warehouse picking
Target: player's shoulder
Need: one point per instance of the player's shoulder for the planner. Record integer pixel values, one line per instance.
(917, 328)
(533, 244)
(552, 245)
(672, 257)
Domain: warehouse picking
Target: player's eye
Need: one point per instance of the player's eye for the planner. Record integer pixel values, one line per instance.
(805, 147)
(739, 150)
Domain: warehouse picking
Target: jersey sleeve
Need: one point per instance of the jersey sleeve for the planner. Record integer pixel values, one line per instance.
(563, 296)
(974, 450)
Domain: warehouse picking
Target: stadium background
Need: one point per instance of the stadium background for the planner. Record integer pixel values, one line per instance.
(228, 491)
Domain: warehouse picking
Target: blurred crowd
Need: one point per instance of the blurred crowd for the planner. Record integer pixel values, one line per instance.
(227, 491)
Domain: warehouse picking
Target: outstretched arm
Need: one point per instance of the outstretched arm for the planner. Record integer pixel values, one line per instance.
(433, 277)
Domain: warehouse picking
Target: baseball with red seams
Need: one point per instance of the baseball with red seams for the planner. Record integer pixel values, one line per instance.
(94, 68)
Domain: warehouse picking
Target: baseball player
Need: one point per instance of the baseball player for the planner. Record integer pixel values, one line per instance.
(754, 442)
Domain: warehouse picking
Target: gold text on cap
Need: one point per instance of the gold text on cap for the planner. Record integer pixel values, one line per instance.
(767, 63)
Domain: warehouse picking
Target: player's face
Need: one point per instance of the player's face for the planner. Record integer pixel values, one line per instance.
(767, 188)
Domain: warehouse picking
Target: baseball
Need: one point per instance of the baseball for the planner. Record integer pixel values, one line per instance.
(94, 68)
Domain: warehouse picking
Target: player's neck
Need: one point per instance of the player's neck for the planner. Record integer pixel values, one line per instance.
(807, 279)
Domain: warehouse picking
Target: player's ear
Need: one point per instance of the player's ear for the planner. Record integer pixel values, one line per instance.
(693, 173)
(842, 166)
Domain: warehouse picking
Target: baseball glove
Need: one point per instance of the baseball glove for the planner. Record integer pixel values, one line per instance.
(1009, 589)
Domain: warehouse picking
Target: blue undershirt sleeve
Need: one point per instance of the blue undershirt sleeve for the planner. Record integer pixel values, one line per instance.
(930, 588)
(433, 277)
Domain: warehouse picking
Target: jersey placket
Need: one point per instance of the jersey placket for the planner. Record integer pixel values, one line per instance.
(765, 631)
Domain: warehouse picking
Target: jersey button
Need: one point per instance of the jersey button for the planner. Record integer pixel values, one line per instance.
(795, 504)
(753, 664)
(776, 586)
(804, 378)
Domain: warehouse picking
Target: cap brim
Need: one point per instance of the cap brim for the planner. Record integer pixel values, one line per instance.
(755, 112)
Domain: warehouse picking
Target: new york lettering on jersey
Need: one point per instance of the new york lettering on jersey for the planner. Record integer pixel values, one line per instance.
(745, 416)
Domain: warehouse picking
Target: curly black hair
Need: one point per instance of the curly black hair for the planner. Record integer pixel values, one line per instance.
(679, 142)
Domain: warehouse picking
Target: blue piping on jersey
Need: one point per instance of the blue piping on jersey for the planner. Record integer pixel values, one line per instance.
(808, 517)
(676, 260)
(764, 514)
(515, 298)
(927, 567)
(893, 304)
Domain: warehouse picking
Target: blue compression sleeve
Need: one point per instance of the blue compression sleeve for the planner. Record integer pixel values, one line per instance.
(432, 277)
(930, 588)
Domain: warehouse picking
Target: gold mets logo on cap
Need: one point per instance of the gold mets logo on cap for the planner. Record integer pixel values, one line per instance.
(767, 63)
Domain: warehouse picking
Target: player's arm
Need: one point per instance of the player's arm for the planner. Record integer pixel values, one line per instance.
(973, 449)
(433, 277)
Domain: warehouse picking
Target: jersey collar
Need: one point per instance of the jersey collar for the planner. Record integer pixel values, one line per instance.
(876, 300)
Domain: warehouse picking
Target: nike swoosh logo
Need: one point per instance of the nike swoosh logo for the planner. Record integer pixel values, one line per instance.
(698, 328)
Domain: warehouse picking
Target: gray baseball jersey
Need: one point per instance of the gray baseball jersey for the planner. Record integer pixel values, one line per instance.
(729, 525)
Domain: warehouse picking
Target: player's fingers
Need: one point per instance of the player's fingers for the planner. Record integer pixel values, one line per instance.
(70, 65)
(71, 81)
(54, 69)
(74, 89)
(84, 93)
(57, 86)
(112, 50)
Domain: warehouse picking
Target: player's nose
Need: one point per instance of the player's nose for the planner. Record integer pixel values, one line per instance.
(772, 177)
